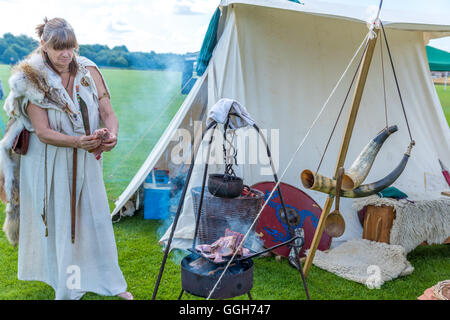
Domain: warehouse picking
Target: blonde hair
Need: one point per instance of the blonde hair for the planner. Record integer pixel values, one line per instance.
(58, 34)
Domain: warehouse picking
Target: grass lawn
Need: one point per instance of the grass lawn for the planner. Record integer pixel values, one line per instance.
(151, 95)
(444, 96)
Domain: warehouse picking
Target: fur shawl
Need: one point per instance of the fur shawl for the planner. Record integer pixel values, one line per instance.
(31, 81)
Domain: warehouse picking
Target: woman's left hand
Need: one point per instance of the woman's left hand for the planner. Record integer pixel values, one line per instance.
(110, 143)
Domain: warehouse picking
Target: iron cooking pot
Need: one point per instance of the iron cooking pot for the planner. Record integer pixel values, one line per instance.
(225, 186)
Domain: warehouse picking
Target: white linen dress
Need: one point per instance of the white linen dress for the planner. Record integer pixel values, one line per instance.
(91, 262)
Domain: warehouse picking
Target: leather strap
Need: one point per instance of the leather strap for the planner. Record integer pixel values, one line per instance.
(74, 194)
(44, 210)
(84, 112)
(85, 116)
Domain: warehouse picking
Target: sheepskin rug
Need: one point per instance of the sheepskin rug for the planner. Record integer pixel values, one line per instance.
(367, 262)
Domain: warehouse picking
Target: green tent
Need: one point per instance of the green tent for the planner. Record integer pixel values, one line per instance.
(439, 60)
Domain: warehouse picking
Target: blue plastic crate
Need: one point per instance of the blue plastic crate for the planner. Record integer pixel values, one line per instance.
(156, 202)
(157, 195)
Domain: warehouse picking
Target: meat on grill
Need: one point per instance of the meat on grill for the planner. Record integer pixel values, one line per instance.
(224, 247)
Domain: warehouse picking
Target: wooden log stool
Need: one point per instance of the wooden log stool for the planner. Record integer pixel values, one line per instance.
(377, 223)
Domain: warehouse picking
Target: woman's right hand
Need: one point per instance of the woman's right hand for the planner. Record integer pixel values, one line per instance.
(88, 143)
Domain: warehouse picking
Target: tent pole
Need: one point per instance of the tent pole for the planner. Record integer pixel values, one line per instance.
(356, 101)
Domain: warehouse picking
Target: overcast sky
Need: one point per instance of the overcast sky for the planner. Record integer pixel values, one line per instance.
(144, 25)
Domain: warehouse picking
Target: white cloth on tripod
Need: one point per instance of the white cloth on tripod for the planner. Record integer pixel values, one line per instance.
(219, 113)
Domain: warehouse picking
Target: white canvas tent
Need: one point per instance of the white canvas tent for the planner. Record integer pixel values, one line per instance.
(281, 59)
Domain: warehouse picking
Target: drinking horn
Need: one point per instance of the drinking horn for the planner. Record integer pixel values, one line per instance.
(315, 181)
(360, 168)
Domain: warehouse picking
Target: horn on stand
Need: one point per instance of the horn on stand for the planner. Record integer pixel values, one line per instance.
(315, 181)
(358, 171)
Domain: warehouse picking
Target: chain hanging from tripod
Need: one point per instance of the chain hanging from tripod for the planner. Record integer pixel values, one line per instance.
(230, 154)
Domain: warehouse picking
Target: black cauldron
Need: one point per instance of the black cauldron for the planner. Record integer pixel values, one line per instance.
(225, 185)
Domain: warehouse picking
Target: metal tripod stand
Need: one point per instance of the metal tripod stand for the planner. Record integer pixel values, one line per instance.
(213, 126)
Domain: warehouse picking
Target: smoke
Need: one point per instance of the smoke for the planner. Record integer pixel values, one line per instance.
(152, 100)
(253, 241)
(177, 179)
(177, 255)
(145, 103)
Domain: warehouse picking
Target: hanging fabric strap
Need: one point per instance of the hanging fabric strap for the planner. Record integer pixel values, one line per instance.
(84, 112)
(44, 211)
(85, 116)
(74, 194)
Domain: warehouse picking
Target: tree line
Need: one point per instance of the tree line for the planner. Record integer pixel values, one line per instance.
(15, 48)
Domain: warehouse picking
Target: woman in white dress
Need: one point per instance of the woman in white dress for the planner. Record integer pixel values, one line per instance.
(65, 236)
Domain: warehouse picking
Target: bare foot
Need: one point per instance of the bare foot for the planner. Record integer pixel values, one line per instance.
(126, 296)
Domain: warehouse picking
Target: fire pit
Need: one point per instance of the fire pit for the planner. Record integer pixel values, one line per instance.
(200, 271)
(198, 277)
